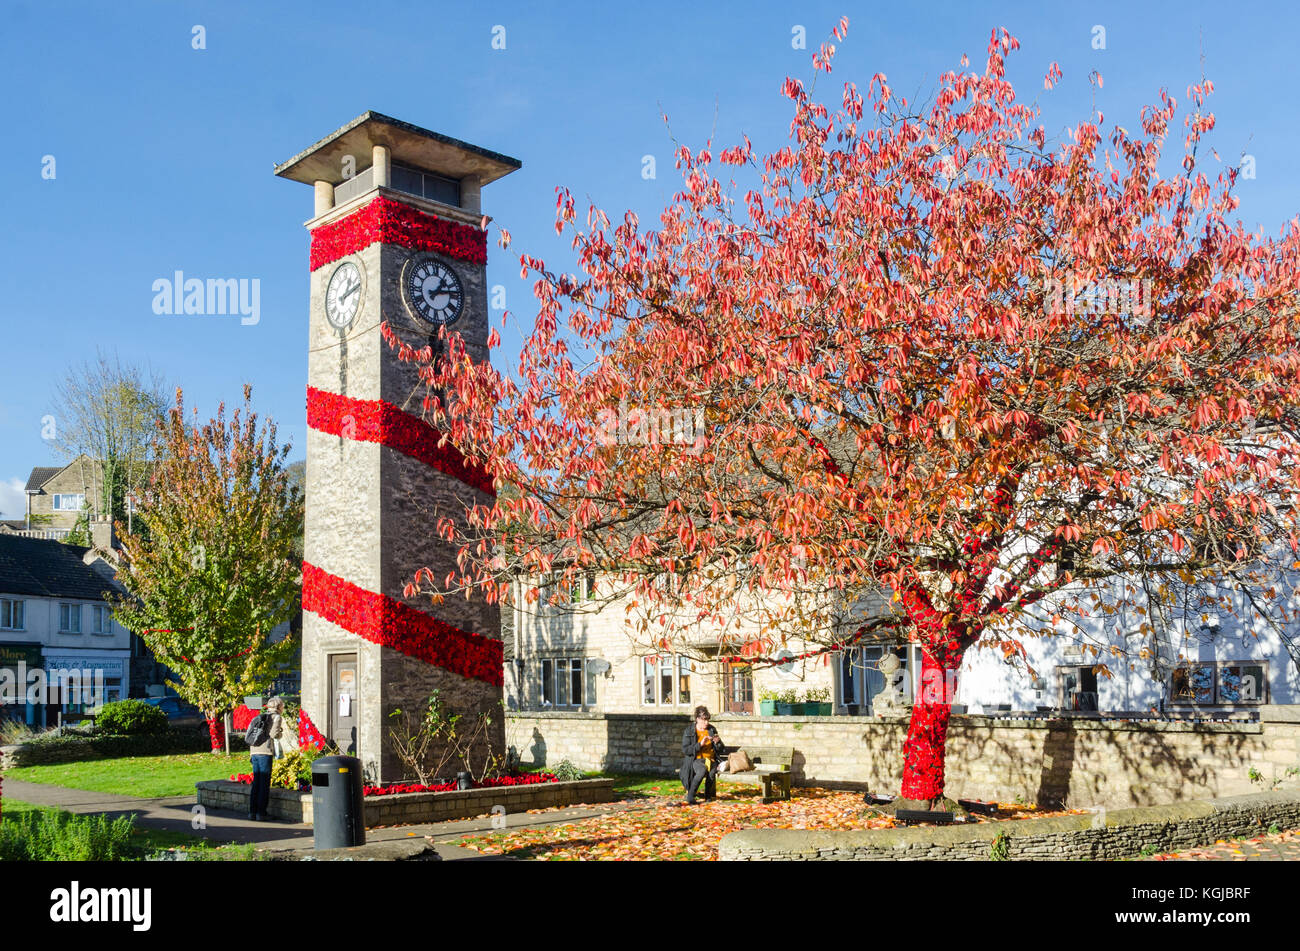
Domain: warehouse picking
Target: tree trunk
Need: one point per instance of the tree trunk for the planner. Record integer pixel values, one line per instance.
(217, 732)
(927, 734)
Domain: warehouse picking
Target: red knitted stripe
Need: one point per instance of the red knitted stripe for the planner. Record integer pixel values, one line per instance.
(382, 620)
(393, 222)
(382, 422)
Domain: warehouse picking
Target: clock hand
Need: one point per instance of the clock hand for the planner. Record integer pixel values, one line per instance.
(349, 292)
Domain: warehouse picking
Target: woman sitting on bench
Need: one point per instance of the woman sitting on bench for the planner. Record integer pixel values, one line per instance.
(703, 751)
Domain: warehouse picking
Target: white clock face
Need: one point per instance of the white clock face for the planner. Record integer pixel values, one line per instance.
(433, 291)
(343, 295)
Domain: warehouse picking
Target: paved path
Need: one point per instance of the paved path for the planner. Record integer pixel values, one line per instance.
(284, 839)
(1278, 847)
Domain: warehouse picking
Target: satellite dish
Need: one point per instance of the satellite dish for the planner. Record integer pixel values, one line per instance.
(598, 665)
(786, 668)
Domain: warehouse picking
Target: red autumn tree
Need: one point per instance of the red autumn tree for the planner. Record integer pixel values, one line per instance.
(924, 352)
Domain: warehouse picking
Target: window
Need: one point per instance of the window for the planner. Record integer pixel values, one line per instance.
(11, 615)
(577, 588)
(861, 680)
(69, 618)
(562, 682)
(64, 502)
(1228, 682)
(666, 680)
(100, 620)
(425, 184)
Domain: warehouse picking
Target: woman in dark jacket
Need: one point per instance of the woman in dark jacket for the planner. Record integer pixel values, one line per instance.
(703, 751)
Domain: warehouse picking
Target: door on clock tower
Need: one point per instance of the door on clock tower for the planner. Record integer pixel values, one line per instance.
(343, 702)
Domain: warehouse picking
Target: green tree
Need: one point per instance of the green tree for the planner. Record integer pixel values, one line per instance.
(211, 569)
(107, 413)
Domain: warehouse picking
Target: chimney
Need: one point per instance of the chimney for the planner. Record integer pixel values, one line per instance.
(102, 535)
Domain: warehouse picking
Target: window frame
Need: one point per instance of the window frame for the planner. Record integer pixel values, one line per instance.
(656, 667)
(1216, 667)
(58, 498)
(17, 607)
(69, 606)
(565, 671)
(101, 620)
(737, 678)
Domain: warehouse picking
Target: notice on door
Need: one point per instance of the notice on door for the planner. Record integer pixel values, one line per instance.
(345, 704)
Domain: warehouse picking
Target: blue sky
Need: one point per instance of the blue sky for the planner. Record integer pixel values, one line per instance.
(163, 153)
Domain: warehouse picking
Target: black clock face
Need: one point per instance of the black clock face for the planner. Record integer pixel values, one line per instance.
(433, 292)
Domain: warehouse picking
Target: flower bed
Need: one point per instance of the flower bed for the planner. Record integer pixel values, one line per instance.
(398, 808)
(524, 779)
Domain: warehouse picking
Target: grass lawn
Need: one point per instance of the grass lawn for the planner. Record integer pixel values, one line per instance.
(143, 776)
(633, 786)
(152, 840)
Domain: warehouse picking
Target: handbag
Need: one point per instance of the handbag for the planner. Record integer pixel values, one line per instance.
(739, 762)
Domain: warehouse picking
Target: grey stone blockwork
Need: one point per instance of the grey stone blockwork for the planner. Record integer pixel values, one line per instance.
(372, 511)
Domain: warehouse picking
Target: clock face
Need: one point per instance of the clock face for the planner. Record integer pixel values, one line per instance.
(343, 295)
(433, 291)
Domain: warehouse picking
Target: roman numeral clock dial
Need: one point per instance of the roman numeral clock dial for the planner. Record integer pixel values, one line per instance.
(433, 292)
(343, 295)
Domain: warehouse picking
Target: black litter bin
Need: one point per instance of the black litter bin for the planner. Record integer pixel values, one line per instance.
(338, 818)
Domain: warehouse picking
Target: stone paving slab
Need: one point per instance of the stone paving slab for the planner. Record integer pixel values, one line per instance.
(1282, 846)
(283, 839)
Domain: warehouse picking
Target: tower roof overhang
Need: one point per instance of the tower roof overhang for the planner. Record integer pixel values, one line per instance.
(407, 144)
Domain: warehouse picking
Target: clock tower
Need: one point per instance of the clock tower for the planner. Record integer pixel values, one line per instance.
(396, 238)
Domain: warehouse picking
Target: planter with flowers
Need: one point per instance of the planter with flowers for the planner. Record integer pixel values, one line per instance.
(767, 703)
(817, 702)
(786, 702)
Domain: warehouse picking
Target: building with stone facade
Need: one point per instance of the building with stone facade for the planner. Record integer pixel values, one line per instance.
(582, 657)
(57, 495)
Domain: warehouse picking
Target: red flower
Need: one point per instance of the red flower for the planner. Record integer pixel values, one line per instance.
(393, 222)
(382, 422)
(383, 620)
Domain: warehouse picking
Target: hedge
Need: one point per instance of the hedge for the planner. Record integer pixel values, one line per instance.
(71, 747)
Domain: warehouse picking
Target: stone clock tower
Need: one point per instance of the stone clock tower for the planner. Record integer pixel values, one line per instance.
(396, 238)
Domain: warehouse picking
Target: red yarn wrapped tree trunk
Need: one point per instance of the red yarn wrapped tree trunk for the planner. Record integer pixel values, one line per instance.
(927, 734)
(217, 733)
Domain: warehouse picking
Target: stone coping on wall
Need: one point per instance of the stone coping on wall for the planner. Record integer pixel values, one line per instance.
(410, 808)
(1283, 714)
(1103, 834)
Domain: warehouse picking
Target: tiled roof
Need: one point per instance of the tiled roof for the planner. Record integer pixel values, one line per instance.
(49, 569)
(41, 475)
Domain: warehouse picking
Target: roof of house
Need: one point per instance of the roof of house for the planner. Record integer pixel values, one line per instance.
(44, 568)
(41, 475)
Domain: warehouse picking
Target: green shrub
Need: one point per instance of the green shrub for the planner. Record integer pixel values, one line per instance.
(294, 768)
(51, 836)
(565, 771)
(129, 717)
(53, 748)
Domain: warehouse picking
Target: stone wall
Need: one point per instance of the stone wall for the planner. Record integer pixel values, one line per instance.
(409, 808)
(1078, 762)
(1113, 834)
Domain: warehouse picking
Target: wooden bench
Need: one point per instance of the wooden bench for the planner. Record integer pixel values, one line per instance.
(771, 771)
